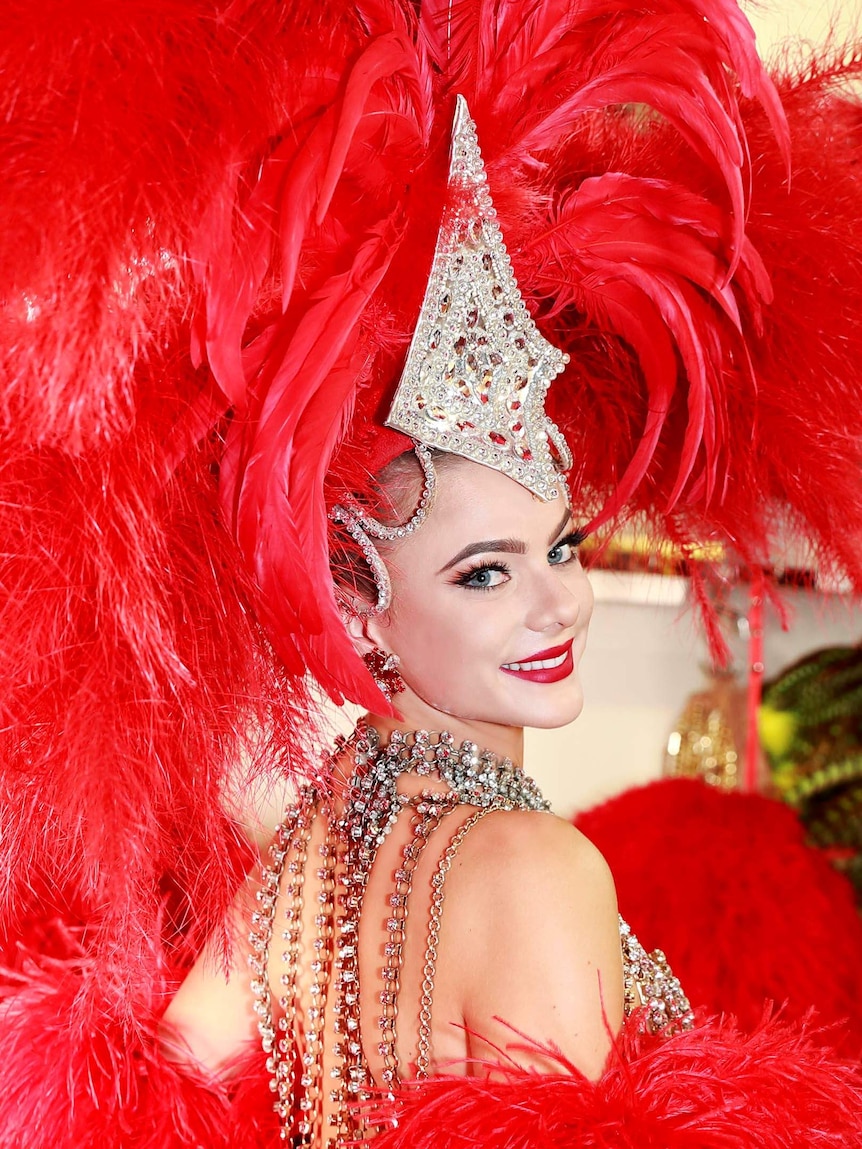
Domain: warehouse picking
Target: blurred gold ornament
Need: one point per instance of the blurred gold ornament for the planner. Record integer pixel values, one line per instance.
(705, 739)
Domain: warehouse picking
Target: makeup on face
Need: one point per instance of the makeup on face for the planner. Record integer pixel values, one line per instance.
(552, 665)
(490, 606)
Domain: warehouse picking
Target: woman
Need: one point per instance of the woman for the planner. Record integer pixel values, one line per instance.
(476, 626)
(473, 625)
(303, 244)
(485, 642)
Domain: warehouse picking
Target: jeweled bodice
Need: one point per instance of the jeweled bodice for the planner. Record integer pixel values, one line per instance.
(315, 1025)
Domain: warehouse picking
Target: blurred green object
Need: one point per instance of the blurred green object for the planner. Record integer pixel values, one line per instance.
(810, 726)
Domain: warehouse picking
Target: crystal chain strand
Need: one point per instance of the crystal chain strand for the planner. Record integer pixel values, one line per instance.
(430, 810)
(291, 936)
(311, 1078)
(371, 809)
(260, 936)
(291, 841)
(342, 1128)
(429, 968)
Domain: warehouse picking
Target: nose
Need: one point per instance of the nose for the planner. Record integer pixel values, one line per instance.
(560, 598)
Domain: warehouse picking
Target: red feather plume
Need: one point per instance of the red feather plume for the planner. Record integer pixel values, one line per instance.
(218, 216)
(135, 677)
(629, 235)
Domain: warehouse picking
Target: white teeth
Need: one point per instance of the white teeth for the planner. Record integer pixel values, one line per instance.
(544, 664)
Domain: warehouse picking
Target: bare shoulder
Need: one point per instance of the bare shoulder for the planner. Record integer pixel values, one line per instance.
(536, 928)
(521, 854)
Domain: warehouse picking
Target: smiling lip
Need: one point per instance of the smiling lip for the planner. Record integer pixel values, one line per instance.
(550, 665)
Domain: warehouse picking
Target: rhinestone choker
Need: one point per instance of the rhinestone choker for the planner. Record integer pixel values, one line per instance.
(478, 777)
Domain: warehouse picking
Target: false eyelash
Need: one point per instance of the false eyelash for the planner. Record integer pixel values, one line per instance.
(573, 538)
(465, 576)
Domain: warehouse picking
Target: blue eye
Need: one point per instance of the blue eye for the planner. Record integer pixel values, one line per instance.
(484, 577)
(566, 550)
(561, 553)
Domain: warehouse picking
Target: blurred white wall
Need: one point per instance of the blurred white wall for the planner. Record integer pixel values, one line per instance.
(775, 21)
(642, 662)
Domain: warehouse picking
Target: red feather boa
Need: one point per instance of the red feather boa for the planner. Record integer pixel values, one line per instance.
(712, 1088)
(74, 1083)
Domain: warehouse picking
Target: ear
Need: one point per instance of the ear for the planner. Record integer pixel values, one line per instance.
(366, 631)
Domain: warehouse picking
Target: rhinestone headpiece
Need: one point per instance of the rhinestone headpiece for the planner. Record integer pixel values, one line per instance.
(478, 369)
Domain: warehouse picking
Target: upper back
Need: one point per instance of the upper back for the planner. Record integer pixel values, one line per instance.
(405, 952)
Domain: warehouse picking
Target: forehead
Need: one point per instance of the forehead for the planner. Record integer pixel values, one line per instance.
(474, 503)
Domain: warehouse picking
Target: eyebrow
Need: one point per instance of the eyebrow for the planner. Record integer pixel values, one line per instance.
(498, 546)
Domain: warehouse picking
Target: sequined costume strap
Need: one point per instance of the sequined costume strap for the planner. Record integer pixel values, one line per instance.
(650, 982)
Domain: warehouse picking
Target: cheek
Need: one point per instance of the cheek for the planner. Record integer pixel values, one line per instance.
(442, 637)
(586, 597)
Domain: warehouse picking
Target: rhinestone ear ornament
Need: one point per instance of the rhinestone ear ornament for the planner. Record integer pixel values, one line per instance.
(478, 368)
(363, 528)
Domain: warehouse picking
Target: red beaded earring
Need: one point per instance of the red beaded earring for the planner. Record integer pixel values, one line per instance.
(383, 668)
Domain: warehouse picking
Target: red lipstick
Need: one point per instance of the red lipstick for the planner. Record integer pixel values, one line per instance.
(558, 661)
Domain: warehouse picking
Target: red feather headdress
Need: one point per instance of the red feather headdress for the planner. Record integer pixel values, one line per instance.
(619, 150)
(218, 220)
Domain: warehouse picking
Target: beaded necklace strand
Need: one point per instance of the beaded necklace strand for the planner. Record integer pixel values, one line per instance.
(312, 1111)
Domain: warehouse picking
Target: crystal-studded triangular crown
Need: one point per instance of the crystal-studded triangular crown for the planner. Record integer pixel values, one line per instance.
(478, 369)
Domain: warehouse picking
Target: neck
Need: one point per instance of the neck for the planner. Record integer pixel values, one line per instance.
(414, 714)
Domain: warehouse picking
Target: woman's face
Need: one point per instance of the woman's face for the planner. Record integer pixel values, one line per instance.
(490, 604)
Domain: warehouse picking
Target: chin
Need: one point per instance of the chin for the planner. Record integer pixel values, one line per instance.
(554, 718)
(558, 707)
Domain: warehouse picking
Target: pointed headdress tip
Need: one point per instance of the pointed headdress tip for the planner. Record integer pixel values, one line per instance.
(478, 369)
